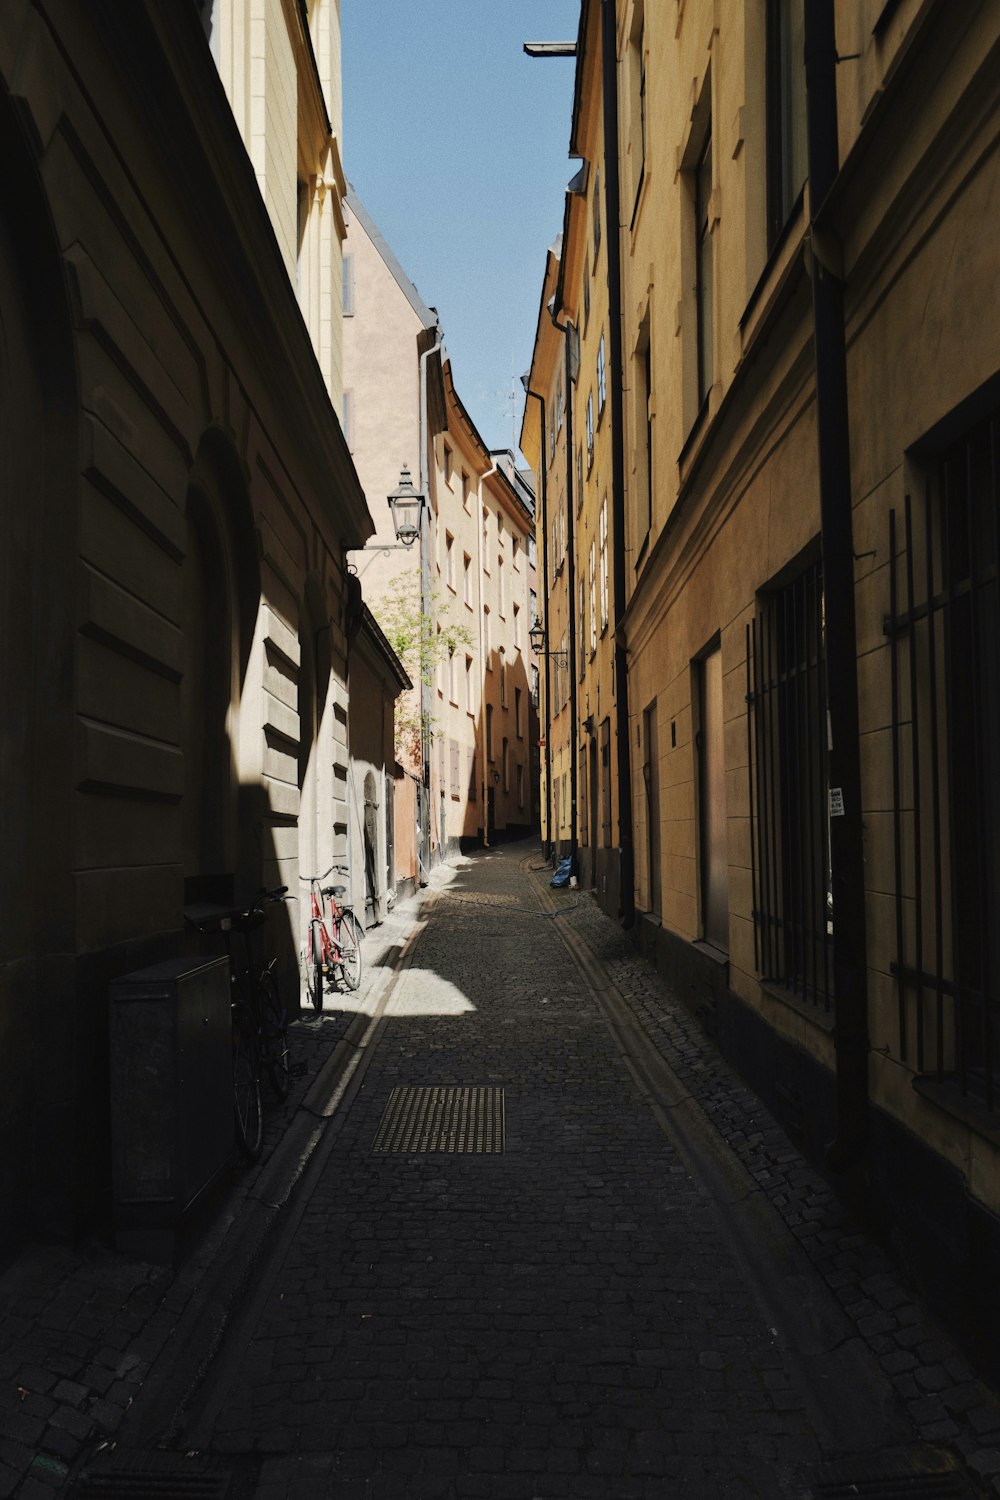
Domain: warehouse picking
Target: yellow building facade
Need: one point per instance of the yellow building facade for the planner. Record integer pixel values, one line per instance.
(810, 408)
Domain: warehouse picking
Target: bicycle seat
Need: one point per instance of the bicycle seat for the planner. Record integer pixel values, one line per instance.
(334, 890)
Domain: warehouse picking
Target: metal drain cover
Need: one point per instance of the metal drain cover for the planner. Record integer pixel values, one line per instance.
(442, 1119)
(926, 1476)
(128, 1475)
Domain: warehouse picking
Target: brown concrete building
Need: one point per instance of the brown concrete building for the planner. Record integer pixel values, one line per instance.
(177, 504)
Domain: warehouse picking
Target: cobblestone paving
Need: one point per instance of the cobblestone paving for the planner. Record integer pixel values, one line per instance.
(81, 1328)
(564, 1319)
(942, 1396)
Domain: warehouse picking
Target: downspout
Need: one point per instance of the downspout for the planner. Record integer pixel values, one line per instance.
(482, 657)
(612, 216)
(425, 610)
(544, 591)
(833, 429)
(564, 329)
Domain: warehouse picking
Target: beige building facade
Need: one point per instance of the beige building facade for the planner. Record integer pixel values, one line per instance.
(178, 501)
(808, 432)
(806, 490)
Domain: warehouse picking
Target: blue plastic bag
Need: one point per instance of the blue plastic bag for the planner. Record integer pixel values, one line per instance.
(564, 870)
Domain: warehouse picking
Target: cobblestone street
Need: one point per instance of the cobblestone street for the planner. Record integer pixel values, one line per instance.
(602, 1309)
(629, 1284)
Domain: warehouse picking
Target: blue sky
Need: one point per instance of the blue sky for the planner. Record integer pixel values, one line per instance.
(457, 144)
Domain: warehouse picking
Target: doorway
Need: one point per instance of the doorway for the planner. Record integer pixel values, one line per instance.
(712, 820)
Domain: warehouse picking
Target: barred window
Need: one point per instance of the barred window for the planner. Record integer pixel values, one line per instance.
(944, 641)
(789, 789)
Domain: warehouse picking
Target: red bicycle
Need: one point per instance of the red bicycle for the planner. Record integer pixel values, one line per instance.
(333, 947)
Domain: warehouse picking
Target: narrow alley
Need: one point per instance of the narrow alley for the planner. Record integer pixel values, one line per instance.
(606, 1273)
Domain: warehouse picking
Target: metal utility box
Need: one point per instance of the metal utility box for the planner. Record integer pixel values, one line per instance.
(171, 1096)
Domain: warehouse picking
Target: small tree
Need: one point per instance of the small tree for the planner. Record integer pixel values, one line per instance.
(421, 646)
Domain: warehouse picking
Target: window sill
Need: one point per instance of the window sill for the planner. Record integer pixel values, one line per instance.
(710, 951)
(947, 1095)
(824, 1020)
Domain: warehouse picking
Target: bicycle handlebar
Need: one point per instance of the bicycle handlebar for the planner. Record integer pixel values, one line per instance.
(341, 869)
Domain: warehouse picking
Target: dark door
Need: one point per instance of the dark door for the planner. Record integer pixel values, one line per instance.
(713, 822)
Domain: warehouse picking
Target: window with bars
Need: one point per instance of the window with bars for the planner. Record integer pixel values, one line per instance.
(592, 599)
(787, 744)
(604, 563)
(590, 431)
(944, 643)
(602, 383)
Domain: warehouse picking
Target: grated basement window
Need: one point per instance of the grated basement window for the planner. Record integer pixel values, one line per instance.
(944, 638)
(787, 753)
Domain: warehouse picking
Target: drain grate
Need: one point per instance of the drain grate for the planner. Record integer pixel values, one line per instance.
(889, 1478)
(442, 1119)
(152, 1476)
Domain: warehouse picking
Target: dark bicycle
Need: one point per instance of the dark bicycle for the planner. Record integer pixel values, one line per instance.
(259, 1018)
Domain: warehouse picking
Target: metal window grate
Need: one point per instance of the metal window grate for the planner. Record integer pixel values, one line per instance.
(787, 758)
(944, 640)
(454, 1120)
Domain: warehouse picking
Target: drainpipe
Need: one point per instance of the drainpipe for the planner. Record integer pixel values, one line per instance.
(846, 837)
(425, 609)
(564, 329)
(482, 657)
(612, 217)
(544, 590)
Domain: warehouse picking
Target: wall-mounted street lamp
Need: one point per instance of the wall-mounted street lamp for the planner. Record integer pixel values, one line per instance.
(406, 505)
(538, 638)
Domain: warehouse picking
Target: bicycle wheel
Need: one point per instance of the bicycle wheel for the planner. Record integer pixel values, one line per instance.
(274, 1029)
(349, 940)
(246, 1085)
(314, 966)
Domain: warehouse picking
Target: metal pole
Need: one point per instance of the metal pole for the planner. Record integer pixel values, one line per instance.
(612, 214)
(846, 838)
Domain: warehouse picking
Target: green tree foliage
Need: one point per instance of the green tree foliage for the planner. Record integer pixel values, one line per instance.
(422, 642)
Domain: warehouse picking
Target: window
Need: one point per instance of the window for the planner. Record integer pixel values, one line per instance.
(447, 464)
(347, 421)
(518, 729)
(789, 798)
(534, 685)
(454, 755)
(487, 638)
(517, 627)
(637, 101)
(449, 560)
(470, 686)
(465, 490)
(515, 551)
(579, 478)
(603, 534)
(467, 579)
(643, 414)
(533, 605)
(703, 265)
(486, 540)
(597, 214)
(559, 411)
(348, 285)
(586, 293)
(592, 598)
(601, 380)
(453, 677)
(503, 679)
(944, 633)
(501, 533)
(581, 628)
(787, 160)
(439, 666)
(590, 432)
(501, 592)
